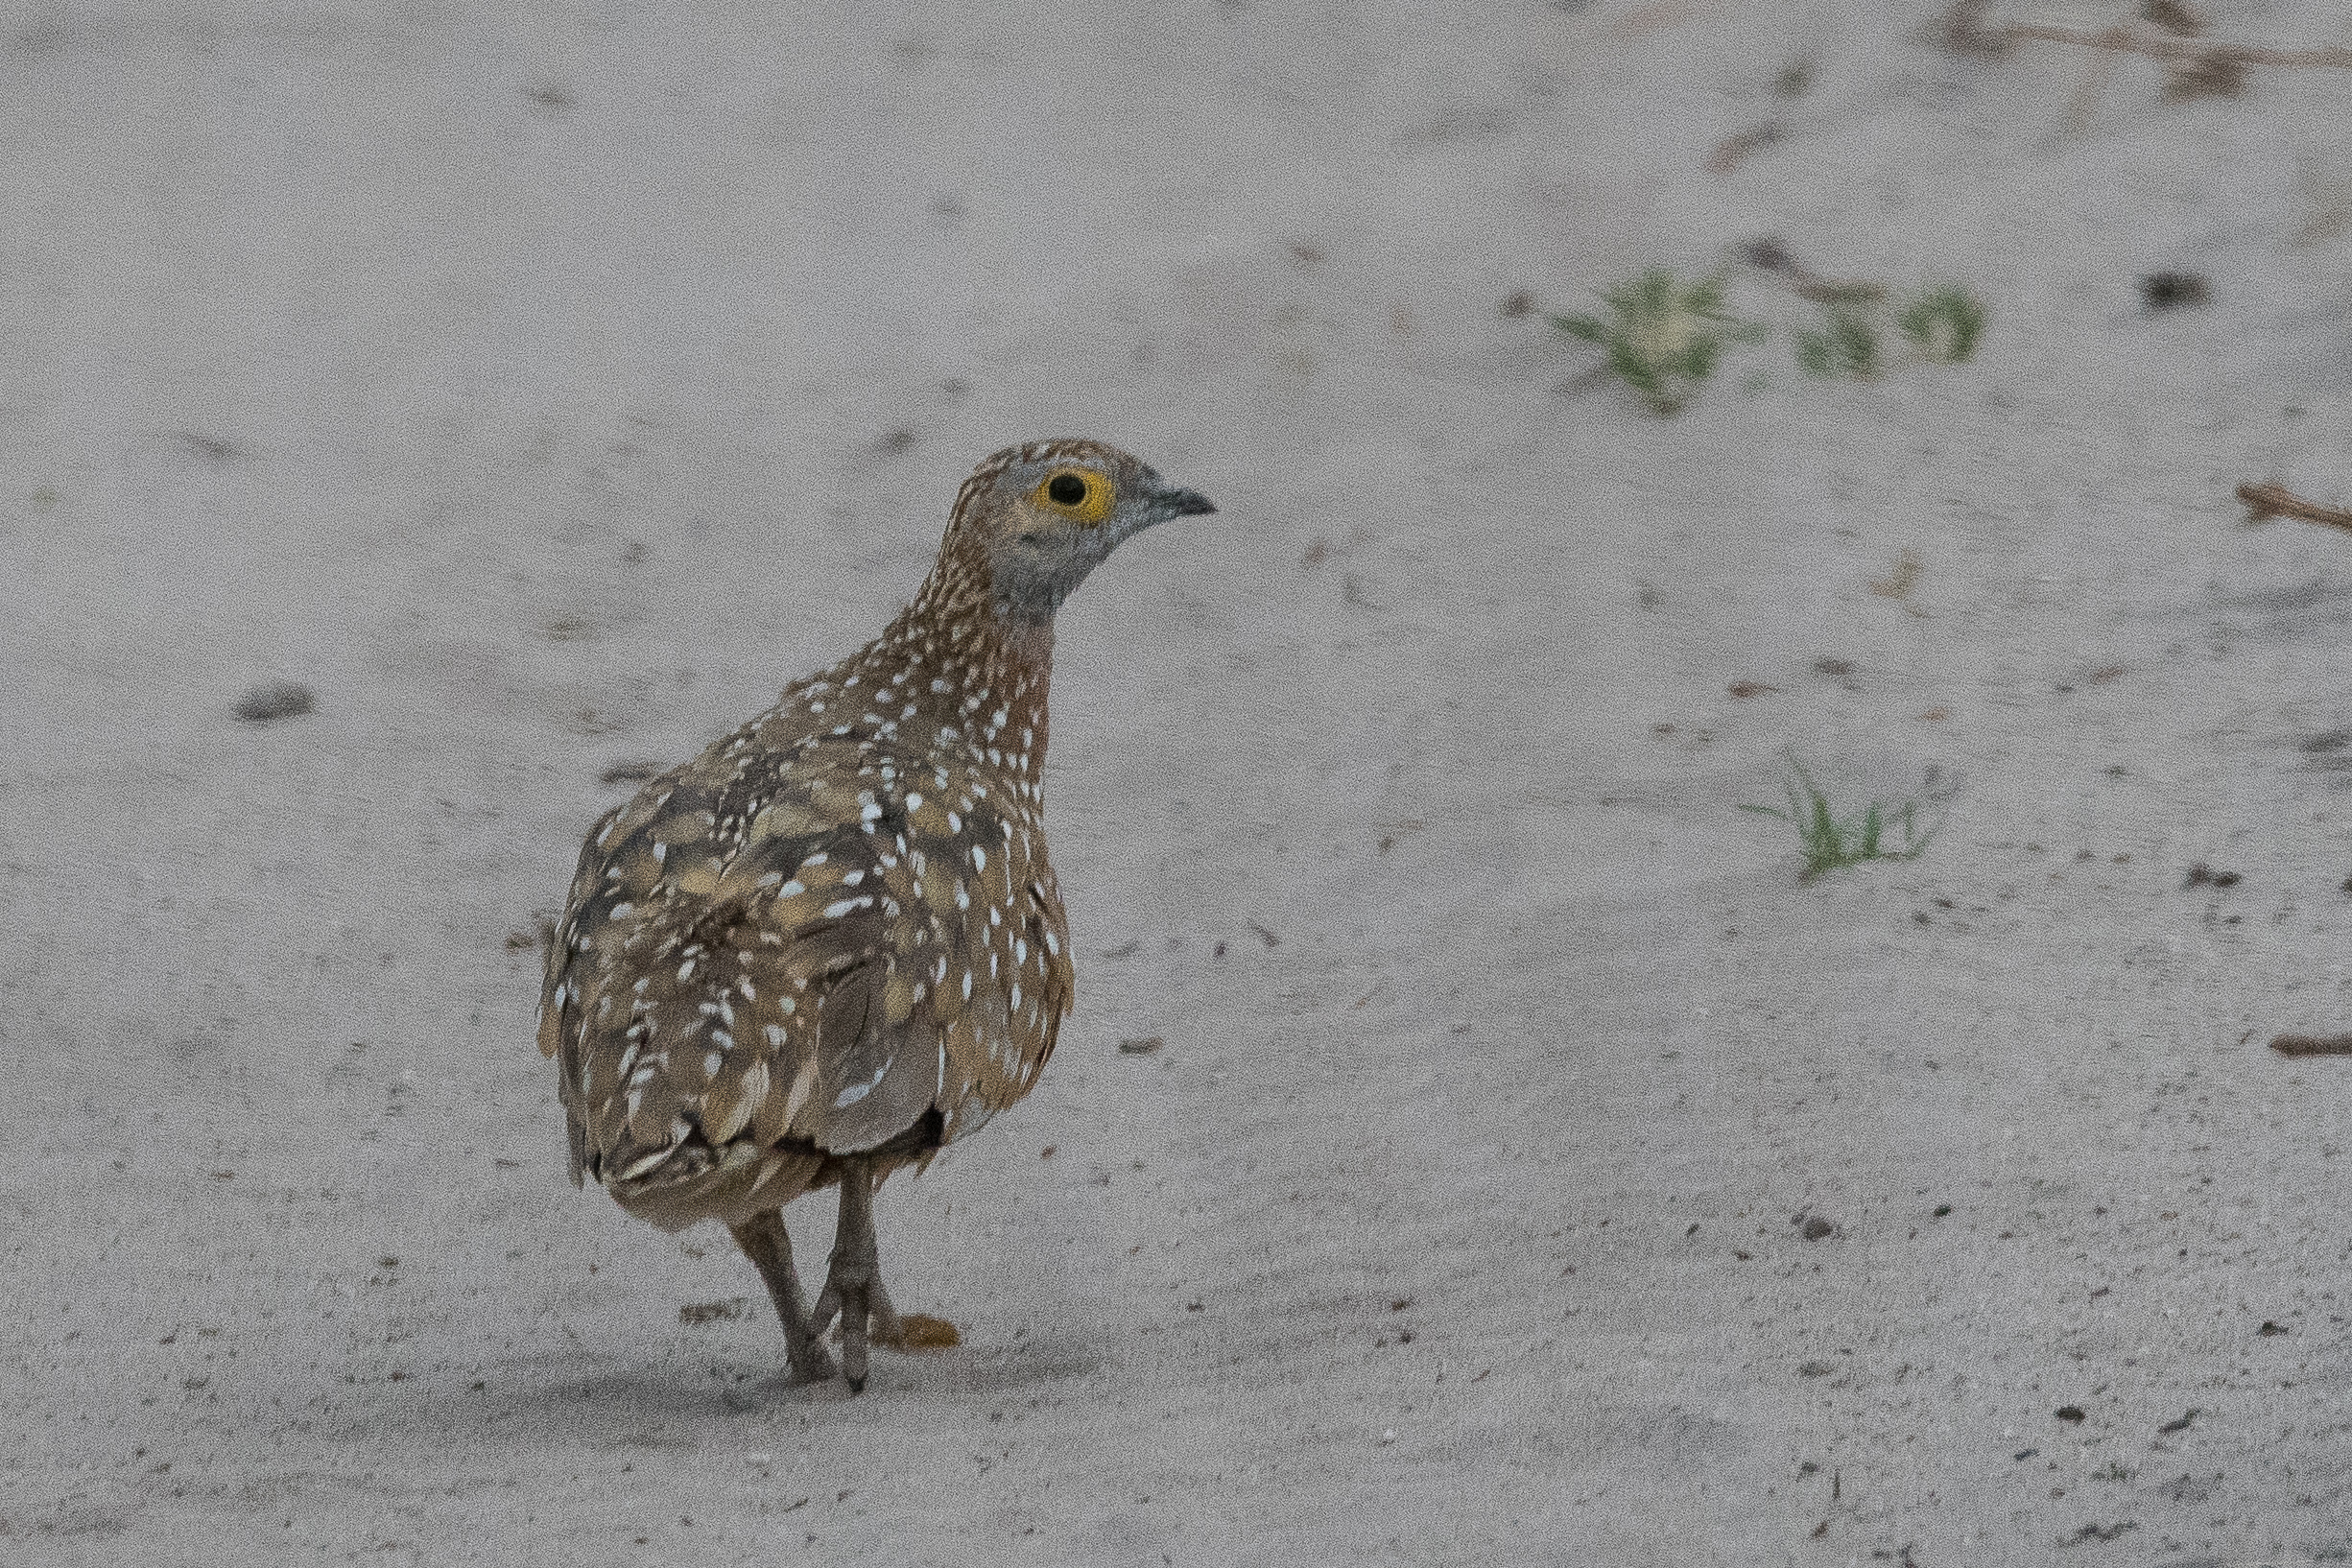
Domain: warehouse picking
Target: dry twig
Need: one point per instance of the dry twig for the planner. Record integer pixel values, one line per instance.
(2199, 51)
(2266, 500)
(2313, 1045)
(1772, 256)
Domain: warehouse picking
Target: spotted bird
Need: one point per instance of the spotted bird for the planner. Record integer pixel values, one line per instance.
(832, 943)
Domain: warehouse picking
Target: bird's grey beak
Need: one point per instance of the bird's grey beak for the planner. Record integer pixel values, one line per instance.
(1170, 501)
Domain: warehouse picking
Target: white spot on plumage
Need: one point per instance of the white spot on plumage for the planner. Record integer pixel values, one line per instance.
(638, 1167)
(856, 1092)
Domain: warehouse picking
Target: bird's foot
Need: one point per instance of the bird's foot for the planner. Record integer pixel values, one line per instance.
(853, 1288)
(811, 1362)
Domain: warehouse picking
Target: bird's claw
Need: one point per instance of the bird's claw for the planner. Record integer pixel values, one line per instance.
(853, 1290)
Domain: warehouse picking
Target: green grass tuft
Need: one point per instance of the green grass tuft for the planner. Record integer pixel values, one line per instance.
(1847, 345)
(1880, 830)
(1943, 325)
(1663, 338)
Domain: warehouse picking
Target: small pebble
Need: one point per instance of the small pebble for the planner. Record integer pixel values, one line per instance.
(2174, 291)
(276, 700)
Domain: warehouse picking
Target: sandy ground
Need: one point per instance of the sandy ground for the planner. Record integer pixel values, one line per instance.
(1534, 1170)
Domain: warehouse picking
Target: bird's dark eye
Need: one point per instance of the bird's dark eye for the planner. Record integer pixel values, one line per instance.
(1067, 490)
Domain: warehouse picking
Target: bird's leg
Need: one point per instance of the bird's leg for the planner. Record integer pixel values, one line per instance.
(853, 1285)
(764, 1241)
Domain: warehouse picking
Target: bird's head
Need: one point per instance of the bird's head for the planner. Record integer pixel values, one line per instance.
(1043, 515)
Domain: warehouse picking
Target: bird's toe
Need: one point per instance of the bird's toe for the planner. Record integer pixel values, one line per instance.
(816, 1365)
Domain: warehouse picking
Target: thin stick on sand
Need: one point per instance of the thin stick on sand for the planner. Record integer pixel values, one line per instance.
(2313, 1045)
(2266, 500)
(2185, 49)
(1965, 28)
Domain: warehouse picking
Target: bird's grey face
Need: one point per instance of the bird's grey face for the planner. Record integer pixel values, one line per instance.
(1058, 518)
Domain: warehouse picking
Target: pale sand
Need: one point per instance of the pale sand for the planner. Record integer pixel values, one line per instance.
(332, 353)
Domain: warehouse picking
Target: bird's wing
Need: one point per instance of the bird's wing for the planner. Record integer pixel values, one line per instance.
(780, 955)
(1000, 968)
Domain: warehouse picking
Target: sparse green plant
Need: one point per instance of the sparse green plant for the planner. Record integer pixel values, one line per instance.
(1882, 830)
(1664, 338)
(1844, 345)
(1943, 325)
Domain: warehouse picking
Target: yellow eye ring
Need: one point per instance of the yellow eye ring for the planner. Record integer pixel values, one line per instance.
(1077, 495)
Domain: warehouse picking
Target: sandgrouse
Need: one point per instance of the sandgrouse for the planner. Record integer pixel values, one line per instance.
(831, 944)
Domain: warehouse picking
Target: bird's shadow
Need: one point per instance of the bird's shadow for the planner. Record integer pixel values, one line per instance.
(549, 1400)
